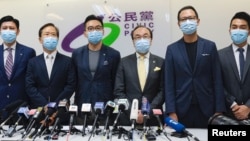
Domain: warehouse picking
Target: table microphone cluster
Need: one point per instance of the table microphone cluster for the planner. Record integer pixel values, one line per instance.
(47, 123)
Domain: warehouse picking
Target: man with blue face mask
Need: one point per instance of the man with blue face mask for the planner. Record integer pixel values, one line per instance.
(193, 83)
(235, 63)
(95, 65)
(50, 76)
(140, 74)
(13, 61)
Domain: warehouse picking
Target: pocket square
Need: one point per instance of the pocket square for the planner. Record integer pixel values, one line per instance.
(205, 54)
(157, 69)
(105, 63)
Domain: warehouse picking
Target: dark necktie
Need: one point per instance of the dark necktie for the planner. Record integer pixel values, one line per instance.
(9, 63)
(242, 61)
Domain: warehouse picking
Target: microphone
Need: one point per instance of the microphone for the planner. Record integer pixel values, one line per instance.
(86, 109)
(109, 108)
(62, 107)
(73, 112)
(179, 127)
(22, 112)
(12, 106)
(157, 113)
(35, 116)
(122, 106)
(99, 108)
(145, 109)
(51, 109)
(134, 112)
(223, 120)
(13, 112)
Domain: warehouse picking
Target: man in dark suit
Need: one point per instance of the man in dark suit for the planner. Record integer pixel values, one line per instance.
(193, 82)
(12, 88)
(236, 83)
(95, 65)
(128, 85)
(50, 76)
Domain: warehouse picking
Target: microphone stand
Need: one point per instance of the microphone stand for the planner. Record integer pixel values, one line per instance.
(84, 124)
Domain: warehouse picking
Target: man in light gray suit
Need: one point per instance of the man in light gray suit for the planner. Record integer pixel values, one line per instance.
(127, 83)
(237, 83)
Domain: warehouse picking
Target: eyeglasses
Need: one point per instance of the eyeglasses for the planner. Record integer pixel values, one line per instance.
(183, 19)
(97, 28)
(139, 37)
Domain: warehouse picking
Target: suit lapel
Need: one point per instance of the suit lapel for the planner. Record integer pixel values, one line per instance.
(2, 63)
(18, 59)
(232, 61)
(247, 63)
(183, 52)
(85, 62)
(198, 54)
(43, 67)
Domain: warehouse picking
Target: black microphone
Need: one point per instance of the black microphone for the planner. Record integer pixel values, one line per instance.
(33, 120)
(122, 106)
(157, 113)
(73, 112)
(86, 110)
(109, 108)
(12, 106)
(178, 127)
(99, 109)
(13, 112)
(22, 112)
(62, 108)
(51, 109)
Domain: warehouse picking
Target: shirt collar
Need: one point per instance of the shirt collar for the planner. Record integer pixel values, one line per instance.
(52, 54)
(236, 47)
(146, 55)
(13, 46)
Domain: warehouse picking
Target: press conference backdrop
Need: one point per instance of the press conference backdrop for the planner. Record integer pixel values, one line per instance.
(120, 17)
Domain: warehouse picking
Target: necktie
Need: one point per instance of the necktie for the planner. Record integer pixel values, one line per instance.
(242, 61)
(49, 64)
(142, 72)
(9, 63)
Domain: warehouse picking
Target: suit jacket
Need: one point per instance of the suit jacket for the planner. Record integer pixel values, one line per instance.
(41, 89)
(128, 86)
(14, 89)
(235, 89)
(204, 80)
(97, 88)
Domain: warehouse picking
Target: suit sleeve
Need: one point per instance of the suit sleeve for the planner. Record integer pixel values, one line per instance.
(31, 88)
(119, 90)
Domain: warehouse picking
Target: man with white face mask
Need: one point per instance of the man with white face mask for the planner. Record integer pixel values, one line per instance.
(50, 76)
(13, 61)
(236, 78)
(132, 82)
(193, 83)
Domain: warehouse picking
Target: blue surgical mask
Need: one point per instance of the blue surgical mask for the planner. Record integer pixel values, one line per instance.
(142, 45)
(8, 36)
(50, 43)
(239, 35)
(189, 26)
(95, 37)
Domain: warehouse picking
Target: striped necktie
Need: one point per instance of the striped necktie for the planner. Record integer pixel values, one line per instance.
(9, 63)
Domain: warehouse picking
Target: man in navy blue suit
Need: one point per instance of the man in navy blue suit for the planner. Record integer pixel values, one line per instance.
(193, 81)
(12, 88)
(50, 76)
(95, 64)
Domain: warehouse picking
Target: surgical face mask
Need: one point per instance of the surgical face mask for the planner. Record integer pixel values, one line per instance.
(50, 43)
(188, 27)
(95, 37)
(239, 35)
(8, 36)
(142, 45)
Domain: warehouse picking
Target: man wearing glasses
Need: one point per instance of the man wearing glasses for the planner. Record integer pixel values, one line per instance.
(140, 74)
(193, 81)
(95, 65)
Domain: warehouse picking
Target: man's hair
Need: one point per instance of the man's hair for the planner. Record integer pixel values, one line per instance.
(9, 18)
(139, 26)
(243, 16)
(93, 17)
(185, 8)
(46, 25)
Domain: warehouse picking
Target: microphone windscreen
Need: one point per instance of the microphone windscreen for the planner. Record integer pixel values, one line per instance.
(157, 112)
(50, 111)
(12, 106)
(134, 110)
(174, 124)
